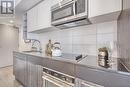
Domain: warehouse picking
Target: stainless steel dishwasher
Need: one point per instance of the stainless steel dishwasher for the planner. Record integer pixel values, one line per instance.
(52, 78)
(82, 83)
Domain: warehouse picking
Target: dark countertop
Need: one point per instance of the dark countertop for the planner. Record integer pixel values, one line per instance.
(87, 69)
(89, 61)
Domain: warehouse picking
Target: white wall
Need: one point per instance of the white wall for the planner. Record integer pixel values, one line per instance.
(8, 44)
(83, 39)
(17, 2)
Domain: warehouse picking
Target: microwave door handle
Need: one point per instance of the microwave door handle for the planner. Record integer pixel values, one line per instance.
(47, 79)
(74, 8)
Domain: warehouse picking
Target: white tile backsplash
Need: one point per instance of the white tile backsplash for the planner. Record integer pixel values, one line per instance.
(109, 27)
(84, 30)
(84, 49)
(83, 39)
(103, 38)
(66, 48)
(90, 39)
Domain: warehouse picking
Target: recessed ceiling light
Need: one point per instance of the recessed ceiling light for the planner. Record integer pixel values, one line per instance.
(11, 21)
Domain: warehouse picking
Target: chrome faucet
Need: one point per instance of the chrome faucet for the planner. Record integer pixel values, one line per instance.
(40, 48)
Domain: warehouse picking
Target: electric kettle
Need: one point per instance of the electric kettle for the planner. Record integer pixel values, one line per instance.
(56, 51)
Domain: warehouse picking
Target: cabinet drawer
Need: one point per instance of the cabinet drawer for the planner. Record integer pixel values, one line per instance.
(100, 77)
(63, 67)
(19, 55)
(35, 60)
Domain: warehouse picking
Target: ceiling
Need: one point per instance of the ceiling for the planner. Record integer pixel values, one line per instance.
(24, 5)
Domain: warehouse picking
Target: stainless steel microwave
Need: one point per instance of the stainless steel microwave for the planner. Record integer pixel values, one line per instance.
(70, 13)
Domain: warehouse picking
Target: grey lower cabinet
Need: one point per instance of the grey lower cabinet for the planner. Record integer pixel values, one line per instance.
(34, 75)
(28, 74)
(39, 76)
(20, 70)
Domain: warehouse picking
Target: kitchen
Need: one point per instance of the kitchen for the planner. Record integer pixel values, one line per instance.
(69, 43)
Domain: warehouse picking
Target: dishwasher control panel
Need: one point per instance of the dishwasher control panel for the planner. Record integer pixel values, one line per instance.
(59, 75)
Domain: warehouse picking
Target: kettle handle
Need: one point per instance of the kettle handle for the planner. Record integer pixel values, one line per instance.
(56, 43)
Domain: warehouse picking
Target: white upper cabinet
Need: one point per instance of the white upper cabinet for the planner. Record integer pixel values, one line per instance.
(53, 2)
(44, 15)
(39, 17)
(32, 19)
(101, 7)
